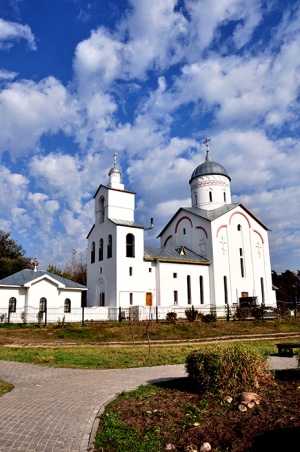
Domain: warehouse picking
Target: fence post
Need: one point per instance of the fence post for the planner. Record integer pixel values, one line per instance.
(120, 314)
(46, 314)
(8, 317)
(227, 313)
(156, 314)
(193, 313)
(262, 311)
(82, 316)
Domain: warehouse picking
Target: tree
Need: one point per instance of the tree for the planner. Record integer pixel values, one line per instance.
(75, 269)
(288, 284)
(12, 256)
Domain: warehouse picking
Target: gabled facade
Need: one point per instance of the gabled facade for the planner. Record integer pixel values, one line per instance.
(214, 253)
(33, 291)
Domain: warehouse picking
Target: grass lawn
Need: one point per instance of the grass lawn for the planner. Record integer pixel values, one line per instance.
(5, 387)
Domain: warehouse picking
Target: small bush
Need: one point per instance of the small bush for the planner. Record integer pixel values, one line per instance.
(191, 314)
(171, 317)
(229, 368)
(208, 318)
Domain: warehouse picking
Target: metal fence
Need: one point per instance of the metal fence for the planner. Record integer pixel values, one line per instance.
(142, 313)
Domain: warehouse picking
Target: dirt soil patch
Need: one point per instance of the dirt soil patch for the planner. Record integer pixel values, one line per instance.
(185, 420)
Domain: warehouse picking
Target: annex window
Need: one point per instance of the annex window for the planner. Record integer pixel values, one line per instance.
(12, 304)
(102, 299)
(174, 275)
(242, 263)
(225, 290)
(130, 247)
(67, 307)
(43, 304)
(109, 246)
(201, 290)
(101, 250)
(93, 253)
(189, 293)
(210, 196)
(130, 271)
(101, 209)
(262, 290)
(131, 298)
(175, 297)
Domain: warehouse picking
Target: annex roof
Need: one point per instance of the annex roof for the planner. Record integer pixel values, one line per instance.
(26, 276)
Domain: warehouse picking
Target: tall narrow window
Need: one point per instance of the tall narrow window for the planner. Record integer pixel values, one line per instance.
(130, 271)
(201, 290)
(189, 294)
(175, 297)
(101, 250)
(225, 290)
(109, 246)
(43, 304)
(224, 196)
(102, 299)
(67, 307)
(184, 231)
(101, 209)
(12, 304)
(239, 227)
(196, 198)
(210, 196)
(131, 298)
(242, 263)
(262, 290)
(130, 246)
(93, 253)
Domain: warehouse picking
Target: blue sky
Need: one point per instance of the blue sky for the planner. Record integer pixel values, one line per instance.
(80, 80)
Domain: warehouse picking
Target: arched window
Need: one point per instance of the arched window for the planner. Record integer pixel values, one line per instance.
(210, 196)
(189, 294)
(67, 307)
(101, 250)
(43, 304)
(224, 196)
(196, 198)
(184, 231)
(109, 246)
(130, 245)
(12, 304)
(262, 290)
(239, 227)
(93, 253)
(101, 209)
(242, 263)
(225, 290)
(201, 290)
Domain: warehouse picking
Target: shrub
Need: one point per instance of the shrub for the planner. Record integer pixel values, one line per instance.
(171, 317)
(231, 368)
(191, 314)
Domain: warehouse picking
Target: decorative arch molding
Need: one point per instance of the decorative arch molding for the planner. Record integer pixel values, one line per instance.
(261, 237)
(240, 213)
(167, 239)
(183, 218)
(204, 230)
(219, 228)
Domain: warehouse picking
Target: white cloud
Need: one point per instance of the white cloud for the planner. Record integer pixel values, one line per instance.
(12, 31)
(28, 110)
(13, 189)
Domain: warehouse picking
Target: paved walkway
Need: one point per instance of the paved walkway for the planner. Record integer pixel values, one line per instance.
(53, 410)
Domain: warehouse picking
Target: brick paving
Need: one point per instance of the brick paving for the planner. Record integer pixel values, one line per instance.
(53, 409)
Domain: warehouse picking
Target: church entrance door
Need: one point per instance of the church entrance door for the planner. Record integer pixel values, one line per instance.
(148, 299)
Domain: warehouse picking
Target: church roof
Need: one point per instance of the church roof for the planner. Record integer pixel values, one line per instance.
(174, 254)
(25, 276)
(131, 224)
(209, 167)
(213, 214)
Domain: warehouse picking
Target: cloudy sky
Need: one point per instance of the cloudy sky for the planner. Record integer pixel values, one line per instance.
(148, 79)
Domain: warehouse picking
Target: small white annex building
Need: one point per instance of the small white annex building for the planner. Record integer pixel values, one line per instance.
(213, 253)
(28, 292)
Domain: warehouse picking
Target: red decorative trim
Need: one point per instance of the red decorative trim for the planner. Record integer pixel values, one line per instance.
(200, 227)
(183, 218)
(240, 213)
(223, 226)
(254, 230)
(167, 239)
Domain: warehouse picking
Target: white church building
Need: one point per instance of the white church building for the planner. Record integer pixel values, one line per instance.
(213, 254)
